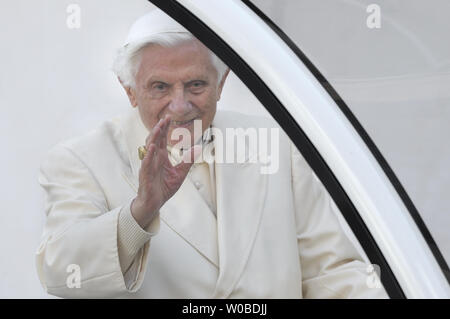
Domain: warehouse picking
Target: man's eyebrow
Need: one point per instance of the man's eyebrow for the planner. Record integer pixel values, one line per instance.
(199, 78)
(153, 80)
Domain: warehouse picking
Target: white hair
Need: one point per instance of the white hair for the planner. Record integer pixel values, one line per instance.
(127, 60)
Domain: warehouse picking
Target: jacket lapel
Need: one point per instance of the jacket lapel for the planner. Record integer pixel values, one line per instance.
(240, 195)
(186, 212)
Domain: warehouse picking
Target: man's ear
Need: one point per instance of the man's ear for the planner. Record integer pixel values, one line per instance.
(221, 84)
(130, 93)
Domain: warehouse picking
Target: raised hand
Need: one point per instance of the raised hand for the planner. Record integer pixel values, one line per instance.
(158, 179)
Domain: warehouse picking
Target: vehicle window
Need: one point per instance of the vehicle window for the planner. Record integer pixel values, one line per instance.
(389, 63)
(238, 98)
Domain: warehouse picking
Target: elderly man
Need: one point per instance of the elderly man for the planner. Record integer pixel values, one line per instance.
(164, 222)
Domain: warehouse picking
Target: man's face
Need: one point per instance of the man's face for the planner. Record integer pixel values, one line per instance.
(180, 82)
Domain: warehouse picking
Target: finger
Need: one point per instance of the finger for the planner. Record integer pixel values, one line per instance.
(149, 159)
(154, 134)
(164, 133)
(160, 138)
(163, 142)
(151, 135)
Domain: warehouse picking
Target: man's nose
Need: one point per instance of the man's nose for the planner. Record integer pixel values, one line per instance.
(179, 104)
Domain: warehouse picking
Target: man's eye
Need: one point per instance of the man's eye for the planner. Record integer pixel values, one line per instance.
(160, 86)
(197, 86)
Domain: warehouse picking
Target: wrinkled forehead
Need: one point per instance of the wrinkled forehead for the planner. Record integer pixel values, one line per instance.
(189, 59)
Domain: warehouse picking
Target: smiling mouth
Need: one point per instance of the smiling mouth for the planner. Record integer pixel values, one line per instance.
(182, 123)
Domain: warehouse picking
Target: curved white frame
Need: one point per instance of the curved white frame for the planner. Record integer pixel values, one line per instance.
(362, 178)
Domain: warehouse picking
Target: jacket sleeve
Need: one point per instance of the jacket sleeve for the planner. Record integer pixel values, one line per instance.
(78, 256)
(331, 265)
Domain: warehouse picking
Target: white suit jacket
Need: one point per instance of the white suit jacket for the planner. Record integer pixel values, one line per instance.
(276, 235)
